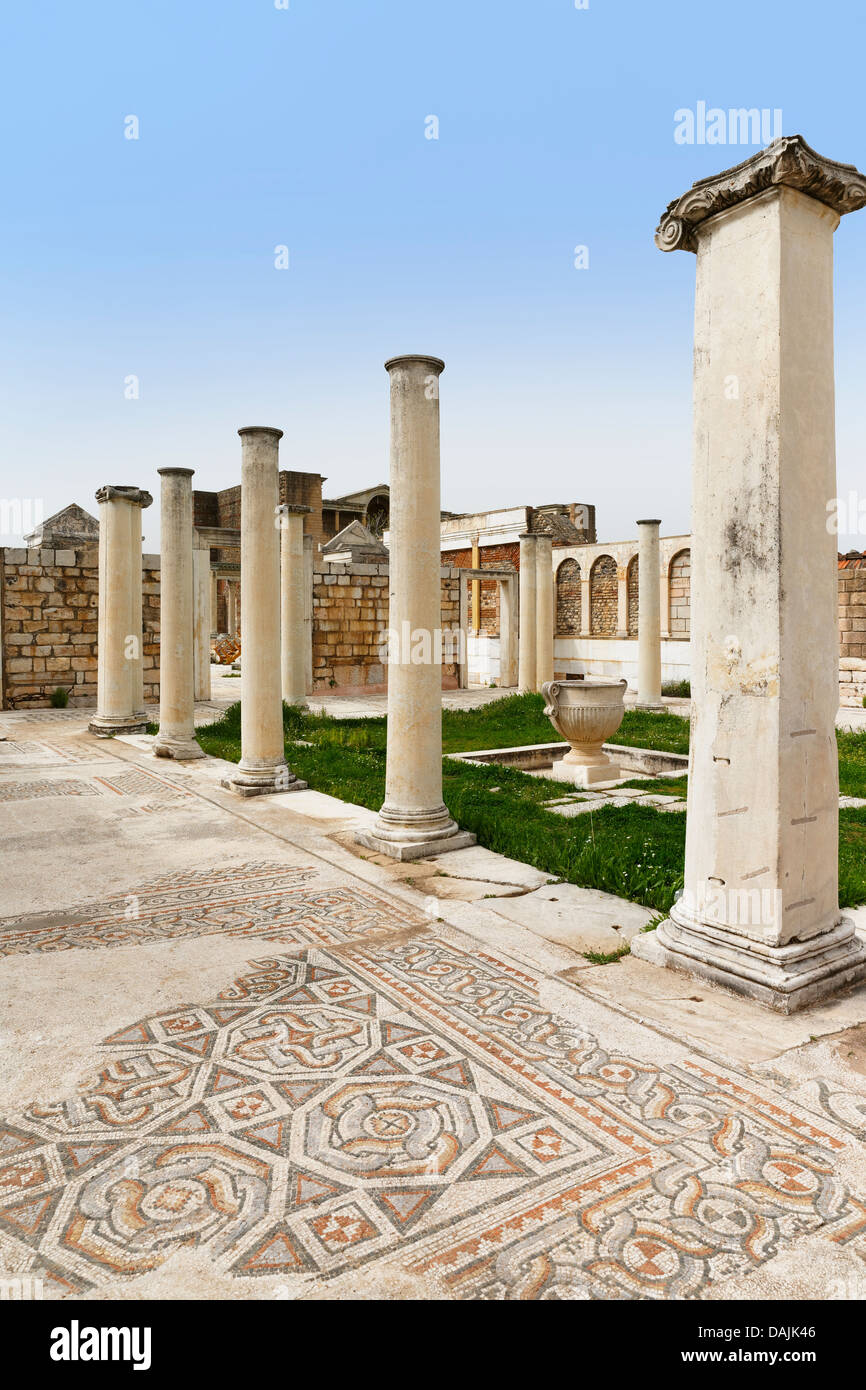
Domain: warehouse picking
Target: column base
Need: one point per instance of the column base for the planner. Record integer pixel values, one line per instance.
(181, 749)
(262, 781)
(414, 849)
(104, 726)
(783, 978)
(656, 706)
(414, 834)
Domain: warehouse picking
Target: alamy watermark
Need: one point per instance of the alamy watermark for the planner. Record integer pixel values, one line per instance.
(739, 125)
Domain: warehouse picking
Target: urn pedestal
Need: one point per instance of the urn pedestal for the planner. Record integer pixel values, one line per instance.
(585, 713)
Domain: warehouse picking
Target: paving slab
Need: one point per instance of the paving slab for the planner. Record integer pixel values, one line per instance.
(476, 862)
(583, 919)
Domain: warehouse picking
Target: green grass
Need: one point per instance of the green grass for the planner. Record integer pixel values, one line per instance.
(632, 851)
(663, 786)
(683, 689)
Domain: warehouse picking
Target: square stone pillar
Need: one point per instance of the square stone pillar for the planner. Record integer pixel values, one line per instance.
(527, 617)
(759, 913)
(508, 632)
(414, 821)
(543, 610)
(308, 614)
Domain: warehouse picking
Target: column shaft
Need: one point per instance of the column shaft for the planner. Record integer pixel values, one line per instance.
(119, 700)
(414, 820)
(201, 620)
(528, 616)
(176, 737)
(543, 610)
(262, 767)
(649, 648)
(292, 594)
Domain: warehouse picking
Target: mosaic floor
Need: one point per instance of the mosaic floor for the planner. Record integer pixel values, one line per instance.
(349, 1102)
(306, 1080)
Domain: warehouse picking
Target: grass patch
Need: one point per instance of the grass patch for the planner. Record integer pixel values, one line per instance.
(632, 851)
(664, 786)
(683, 689)
(606, 957)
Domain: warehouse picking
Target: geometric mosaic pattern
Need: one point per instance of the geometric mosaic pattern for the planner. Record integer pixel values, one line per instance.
(252, 899)
(26, 791)
(411, 1100)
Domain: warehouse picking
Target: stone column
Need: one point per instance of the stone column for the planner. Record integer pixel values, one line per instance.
(649, 645)
(528, 617)
(176, 737)
(543, 610)
(622, 600)
(201, 619)
(414, 821)
(293, 666)
(508, 632)
(308, 613)
(262, 767)
(214, 608)
(759, 913)
(119, 698)
(136, 610)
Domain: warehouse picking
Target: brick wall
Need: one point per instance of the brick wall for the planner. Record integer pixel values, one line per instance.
(49, 619)
(852, 628)
(350, 618)
(489, 557)
(602, 594)
(568, 599)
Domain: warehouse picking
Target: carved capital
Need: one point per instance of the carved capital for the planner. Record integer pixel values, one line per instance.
(114, 492)
(788, 161)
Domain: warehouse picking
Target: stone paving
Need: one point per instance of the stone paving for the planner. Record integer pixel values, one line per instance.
(240, 1061)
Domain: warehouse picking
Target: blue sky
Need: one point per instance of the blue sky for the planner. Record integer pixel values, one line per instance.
(262, 127)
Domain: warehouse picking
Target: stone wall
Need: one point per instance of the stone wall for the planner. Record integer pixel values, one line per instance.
(852, 628)
(48, 625)
(350, 620)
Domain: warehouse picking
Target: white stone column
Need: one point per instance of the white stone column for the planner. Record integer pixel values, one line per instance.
(543, 610)
(214, 607)
(119, 698)
(308, 614)
(528, 616)
(137, 608)
(414, 821)
(293, 656)
(508, 660)
(201, 619)
(622, 600)
(176, 737)
(262, 767)
(759, 913)
(649, 645)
